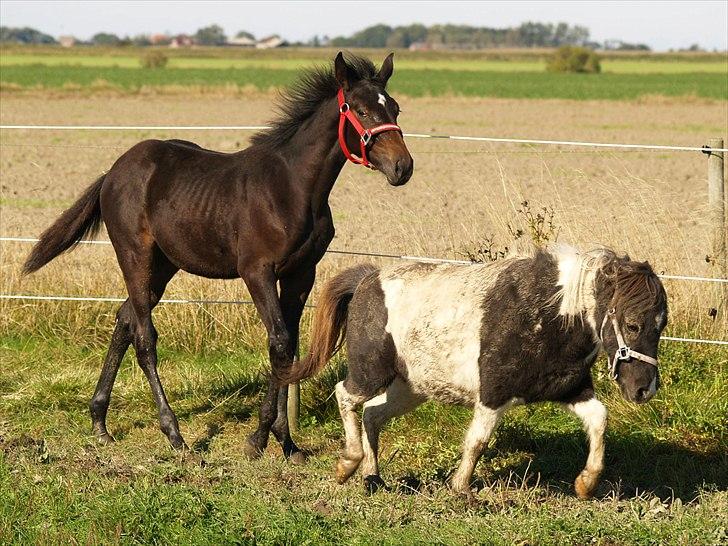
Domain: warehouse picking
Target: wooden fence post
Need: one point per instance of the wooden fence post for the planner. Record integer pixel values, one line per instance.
(719, 233)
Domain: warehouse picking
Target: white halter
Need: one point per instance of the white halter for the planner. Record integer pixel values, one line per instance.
(623, 351)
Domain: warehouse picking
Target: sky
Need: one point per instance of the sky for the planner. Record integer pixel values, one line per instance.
(660, 24)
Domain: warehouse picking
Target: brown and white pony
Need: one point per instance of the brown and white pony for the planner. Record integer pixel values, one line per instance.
(489, 336)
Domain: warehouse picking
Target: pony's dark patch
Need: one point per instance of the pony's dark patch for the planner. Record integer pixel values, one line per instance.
(368, 341)
(526, 353)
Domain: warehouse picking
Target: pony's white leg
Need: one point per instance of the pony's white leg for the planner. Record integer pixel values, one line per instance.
(350, 459)
(481, 427)
(397, 400)
(593, 415)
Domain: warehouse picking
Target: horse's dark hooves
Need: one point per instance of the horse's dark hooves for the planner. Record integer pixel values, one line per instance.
(298, 458)
(251, 451)
(105, 439)
(409, 485)
(374, 483)
(189, 456)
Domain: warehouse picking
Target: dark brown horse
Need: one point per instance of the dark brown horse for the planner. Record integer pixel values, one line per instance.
(261, 214)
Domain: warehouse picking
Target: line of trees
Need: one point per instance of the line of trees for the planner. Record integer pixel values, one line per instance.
(433, 37)
(212, 35)
(468, 37)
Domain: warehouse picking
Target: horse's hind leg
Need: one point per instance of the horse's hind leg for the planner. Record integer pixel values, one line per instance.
(146, 277)
(481, 427)
(397, 400)
(353, 452)
(120, 341)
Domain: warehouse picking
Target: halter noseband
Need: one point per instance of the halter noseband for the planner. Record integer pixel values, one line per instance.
(623, 350)
(365, 135)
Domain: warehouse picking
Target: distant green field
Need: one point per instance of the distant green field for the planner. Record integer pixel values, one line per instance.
(408, 81)
(617, 66)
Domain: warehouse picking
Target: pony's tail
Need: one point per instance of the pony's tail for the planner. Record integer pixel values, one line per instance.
(329, 324)
(82, 219)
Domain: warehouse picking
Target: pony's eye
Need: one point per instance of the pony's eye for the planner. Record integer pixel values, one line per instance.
(634, 328)
(361, 113)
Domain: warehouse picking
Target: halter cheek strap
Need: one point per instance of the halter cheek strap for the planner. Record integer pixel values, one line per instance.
(365, 135)
(623, 350)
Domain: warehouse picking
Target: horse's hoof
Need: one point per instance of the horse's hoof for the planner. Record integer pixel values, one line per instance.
(178, 443)
(374, 483)
(409, 485)
(585, 484)
(105, 439)
(297, 458)
(192, 457)
(251, 451)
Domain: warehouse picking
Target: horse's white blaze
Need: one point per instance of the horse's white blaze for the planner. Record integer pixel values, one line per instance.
(382, 99)
(434, 318)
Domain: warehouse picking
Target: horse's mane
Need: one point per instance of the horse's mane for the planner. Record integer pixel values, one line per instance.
(299, 101)
(636, 286)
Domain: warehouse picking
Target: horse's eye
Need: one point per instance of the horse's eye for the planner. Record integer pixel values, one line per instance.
(361, 113)
(634, 328)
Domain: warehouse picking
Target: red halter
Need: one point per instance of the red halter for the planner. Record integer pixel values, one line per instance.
(365, 135)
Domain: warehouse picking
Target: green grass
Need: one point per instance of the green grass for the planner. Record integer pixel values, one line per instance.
(412, 82)
(617, 66)
(665, 479)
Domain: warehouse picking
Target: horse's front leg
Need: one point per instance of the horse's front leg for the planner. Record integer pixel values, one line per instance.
(261, 283)
(593, 415)
(294, 293)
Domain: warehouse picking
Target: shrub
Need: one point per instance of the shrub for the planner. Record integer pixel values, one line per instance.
(153, 59)
(574, 59)
(539, 226)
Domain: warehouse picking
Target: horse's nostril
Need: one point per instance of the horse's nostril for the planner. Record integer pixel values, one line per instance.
(641, 394)
(399, 167)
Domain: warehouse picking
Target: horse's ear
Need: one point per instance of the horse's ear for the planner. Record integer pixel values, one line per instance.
(385, 72)
(344, 74)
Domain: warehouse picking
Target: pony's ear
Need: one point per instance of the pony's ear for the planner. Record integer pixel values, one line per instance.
(385, 72)
(344, 75)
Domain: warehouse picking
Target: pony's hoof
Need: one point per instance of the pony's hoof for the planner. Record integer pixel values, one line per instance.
(374, 483)
(251, 451)
(345, 468)
(298, 458)
(585, 484)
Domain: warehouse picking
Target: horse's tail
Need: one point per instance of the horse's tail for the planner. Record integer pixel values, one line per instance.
(329, 324)
(82, 219)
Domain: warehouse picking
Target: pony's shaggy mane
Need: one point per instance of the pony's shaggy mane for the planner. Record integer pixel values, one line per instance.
(636, 286)
(301, 100)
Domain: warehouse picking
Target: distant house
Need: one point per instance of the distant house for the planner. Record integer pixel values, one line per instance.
(270, 42)
(67, 41)
(242, 41)
(420, 46)
(182, 40)
(159, 39)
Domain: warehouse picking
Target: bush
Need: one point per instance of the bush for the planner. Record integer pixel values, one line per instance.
(153, 59)
(574, 59)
